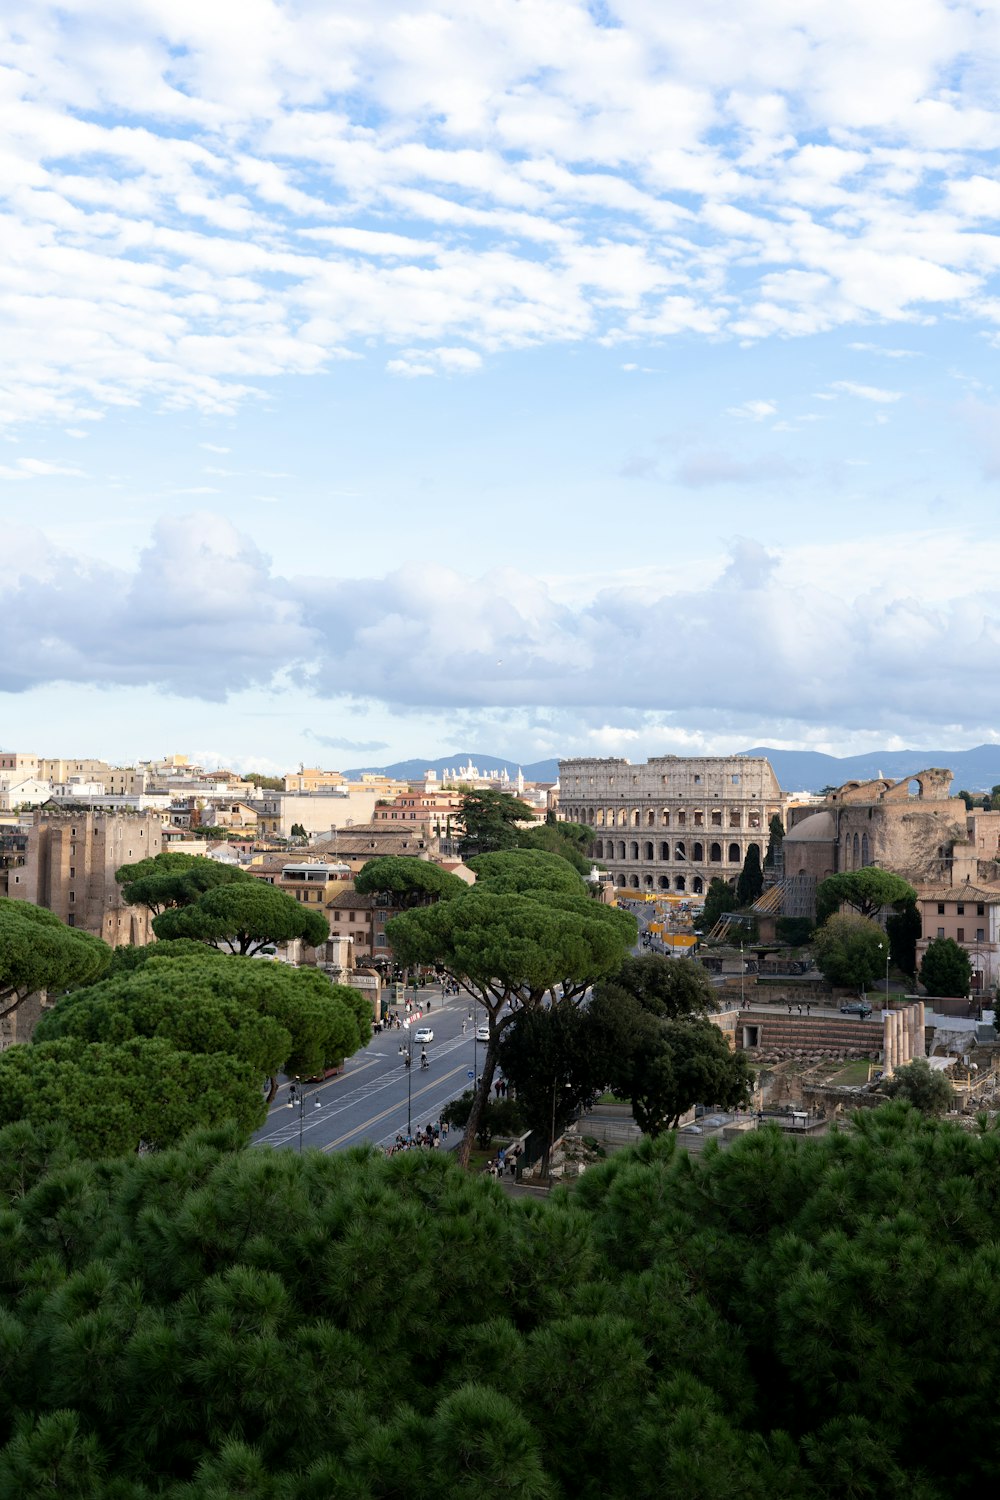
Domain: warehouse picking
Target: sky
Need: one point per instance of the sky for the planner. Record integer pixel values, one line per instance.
(530, 377)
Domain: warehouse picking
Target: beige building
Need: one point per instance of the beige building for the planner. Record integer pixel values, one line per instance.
(66, 861)
(970, 915)
(673, 823)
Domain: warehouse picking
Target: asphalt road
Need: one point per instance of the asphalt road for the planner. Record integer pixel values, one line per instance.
(368, 1101)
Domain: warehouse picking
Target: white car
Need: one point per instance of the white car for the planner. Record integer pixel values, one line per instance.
(482, 1033)
(424, 1034)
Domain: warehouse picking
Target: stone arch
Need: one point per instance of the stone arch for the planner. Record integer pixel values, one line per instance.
(715, 854)
(664, 849)
(647, 881)
(598, 848)
(622, 817)
(599, 818)
(664, 882)
(665, 817)
(633, 849)
(865, 856)
(734, 854)
(697, 885)
(680, 883)
(621, 848)
(651, 818)
(620, 881)
(856, 853)
(697, 852)
(680, 852)
(635, 817)
(647, 849)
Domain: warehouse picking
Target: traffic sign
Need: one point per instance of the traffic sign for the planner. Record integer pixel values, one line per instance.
(470, 1074)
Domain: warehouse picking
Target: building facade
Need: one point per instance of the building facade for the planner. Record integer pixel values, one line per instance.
(674, 823)
(66, 861)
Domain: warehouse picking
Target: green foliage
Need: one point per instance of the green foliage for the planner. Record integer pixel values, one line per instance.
(499, 1119)
(671, 989)
(796, 931)
(525, 870)
(946, 969)
(170, 879)
(38, 952)
(570, 841)
(552, 1061)
(515, 949)
(867, 891)
(785, 1320)
(267, 783)
(489, 819)
(272, 1016)
(111, 1099)
(408, 882)
(720, 898)
(903, 928)
(689, 1062)
(922, 1086)
(243, 917)
(750, 881)
(298, 831)
(850, 951)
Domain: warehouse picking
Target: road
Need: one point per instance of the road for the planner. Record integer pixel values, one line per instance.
(368, 1101)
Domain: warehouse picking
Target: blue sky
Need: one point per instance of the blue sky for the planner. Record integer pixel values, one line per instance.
(387, 379)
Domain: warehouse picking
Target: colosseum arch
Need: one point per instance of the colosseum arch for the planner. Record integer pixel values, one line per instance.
(664, 849)
(633, 850)
(697, 885)
(680, 883)
(734, 854)
(647, 849)
(665, 818)
(715, 854)
(697, 853)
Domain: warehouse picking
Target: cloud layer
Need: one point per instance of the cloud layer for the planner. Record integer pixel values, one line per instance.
(198, 198)
(785, 638)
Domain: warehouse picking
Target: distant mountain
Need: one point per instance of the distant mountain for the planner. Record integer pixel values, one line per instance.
(797, 770)
(975, 770)
(413, 770)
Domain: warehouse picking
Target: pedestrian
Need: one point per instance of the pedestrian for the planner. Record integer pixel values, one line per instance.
(496, 1088)
(503, 1088)
(445, 1127)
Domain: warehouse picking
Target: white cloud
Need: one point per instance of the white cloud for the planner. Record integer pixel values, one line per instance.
(38, 468)
(844, 631)
(867, 392)
(214, 448)
(755, 411)
(197, 200)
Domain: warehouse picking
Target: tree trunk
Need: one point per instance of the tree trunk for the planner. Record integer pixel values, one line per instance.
(272, 1088)
(478, 1104)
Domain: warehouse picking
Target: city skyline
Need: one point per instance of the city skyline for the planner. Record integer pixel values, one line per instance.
(557, 379)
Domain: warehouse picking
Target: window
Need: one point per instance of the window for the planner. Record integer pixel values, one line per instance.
(940, 908)
(736, 781)
(71, 919)
(717, 817)
(940, 932)
(72, 895)
(980, 910)
(980, 934)
(72, 872)
(697, 781)
(961, 934)
(960, 909)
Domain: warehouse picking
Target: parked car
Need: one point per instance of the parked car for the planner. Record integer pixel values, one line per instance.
(856, 1008)
(482, 1033)
(424, 1034)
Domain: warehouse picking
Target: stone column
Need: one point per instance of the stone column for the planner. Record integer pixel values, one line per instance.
(888, 1050)
(906, 1018)
(897, 1027)
(921, 1040)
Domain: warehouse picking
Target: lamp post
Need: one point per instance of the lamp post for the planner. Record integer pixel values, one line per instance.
(885, 945)
(297, 1100)
(743, 998)
(406, 1053)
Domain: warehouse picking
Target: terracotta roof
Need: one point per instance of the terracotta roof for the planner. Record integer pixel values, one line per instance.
(353, 900)
(963, 893)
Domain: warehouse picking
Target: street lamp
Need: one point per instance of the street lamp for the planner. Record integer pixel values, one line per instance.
(297, 1099)
(887, 957)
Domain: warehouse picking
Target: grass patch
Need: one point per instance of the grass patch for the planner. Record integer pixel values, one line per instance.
(851, 1076)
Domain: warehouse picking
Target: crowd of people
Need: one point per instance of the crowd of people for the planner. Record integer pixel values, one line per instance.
(428, 1139)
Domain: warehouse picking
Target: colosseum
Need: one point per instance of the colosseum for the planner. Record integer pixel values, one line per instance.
(673, 823)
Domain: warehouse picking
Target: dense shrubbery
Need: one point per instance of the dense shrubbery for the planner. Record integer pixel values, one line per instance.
(787, 1319)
